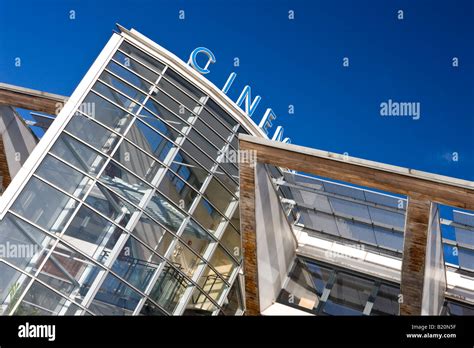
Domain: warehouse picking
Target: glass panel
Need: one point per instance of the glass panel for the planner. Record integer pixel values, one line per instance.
(233, 303)
(92, 133)
(116, 97)
(199, 304)
(223, 263)
(123, 87)
(231, 241)
(164, 212)
(185, 260)
(180, 96)
(107, 113)
(177, 190)
(136, 264)
(160, 126)
(219, 113)
(12, 285)
(109, 204)
(142, 57)
(153, 235)
(114, 298)
(209, 134)
(218, 196)
(236, 219)
(140, 69)
(348, 295)
(189, 170)
(44, 205)
(186, 86)
(305, 286)
(196, 238)
(226, 180)
(197, 155)
(169, 288)
(150, 309)
(129, 76)
(63, 176)
(169, 117)
(124, 183)
(23, 245)
(207, 215)
(92, 234)
(137, 161)
(78, 154)
(212, 284)
(66, 271)
(386, 302)
(149, 140)
(39, 300)
(203, 144)
(215, 124)
(173, 106)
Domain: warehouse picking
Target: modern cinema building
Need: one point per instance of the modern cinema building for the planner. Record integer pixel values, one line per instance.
(129, 205)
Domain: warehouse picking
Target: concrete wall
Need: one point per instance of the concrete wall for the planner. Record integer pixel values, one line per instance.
(275, 241)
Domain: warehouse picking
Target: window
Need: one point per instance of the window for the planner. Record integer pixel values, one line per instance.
(78, 154)
(63, 176)
(136, 264)
(153, 235)
(114, 298)
(169, 288)
(44, 205)
(92, 133)
(137, 161)
(107, 113)
(142, 57)
(149, 140)
(92, 234)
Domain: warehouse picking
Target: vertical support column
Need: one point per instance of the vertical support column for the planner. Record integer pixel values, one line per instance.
(414, 254)
(249, 236)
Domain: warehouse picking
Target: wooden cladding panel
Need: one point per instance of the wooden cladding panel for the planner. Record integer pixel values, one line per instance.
(414, 255)
(249, 237)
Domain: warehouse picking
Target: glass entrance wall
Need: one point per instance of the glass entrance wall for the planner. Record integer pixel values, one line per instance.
(130, 210)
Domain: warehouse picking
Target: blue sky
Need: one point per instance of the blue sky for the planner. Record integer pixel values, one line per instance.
(297, 62)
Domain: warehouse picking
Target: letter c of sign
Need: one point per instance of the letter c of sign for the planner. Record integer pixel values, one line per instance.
(194, 63)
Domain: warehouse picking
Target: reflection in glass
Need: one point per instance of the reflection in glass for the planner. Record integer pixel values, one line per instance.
(114, 298)
(44, 205)
(223, 263)
(142, 57)
(24, 245)
(348, 295)
(177, 190)
(137, 161)
(92, 234)
(106, 113)
(110, 204)
(12, 285)
(153, 235)
(169, 288)
(149, 140)
(63, 176)
(78, 154)
(136, 264)
(66, 270)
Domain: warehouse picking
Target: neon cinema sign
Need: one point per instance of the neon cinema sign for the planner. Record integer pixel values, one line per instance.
(245, 97)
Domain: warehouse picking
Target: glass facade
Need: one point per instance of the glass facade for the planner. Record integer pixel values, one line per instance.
(130, 210)
(322, 289)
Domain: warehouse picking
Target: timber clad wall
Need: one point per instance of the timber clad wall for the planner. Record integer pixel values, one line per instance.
(249, 238)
